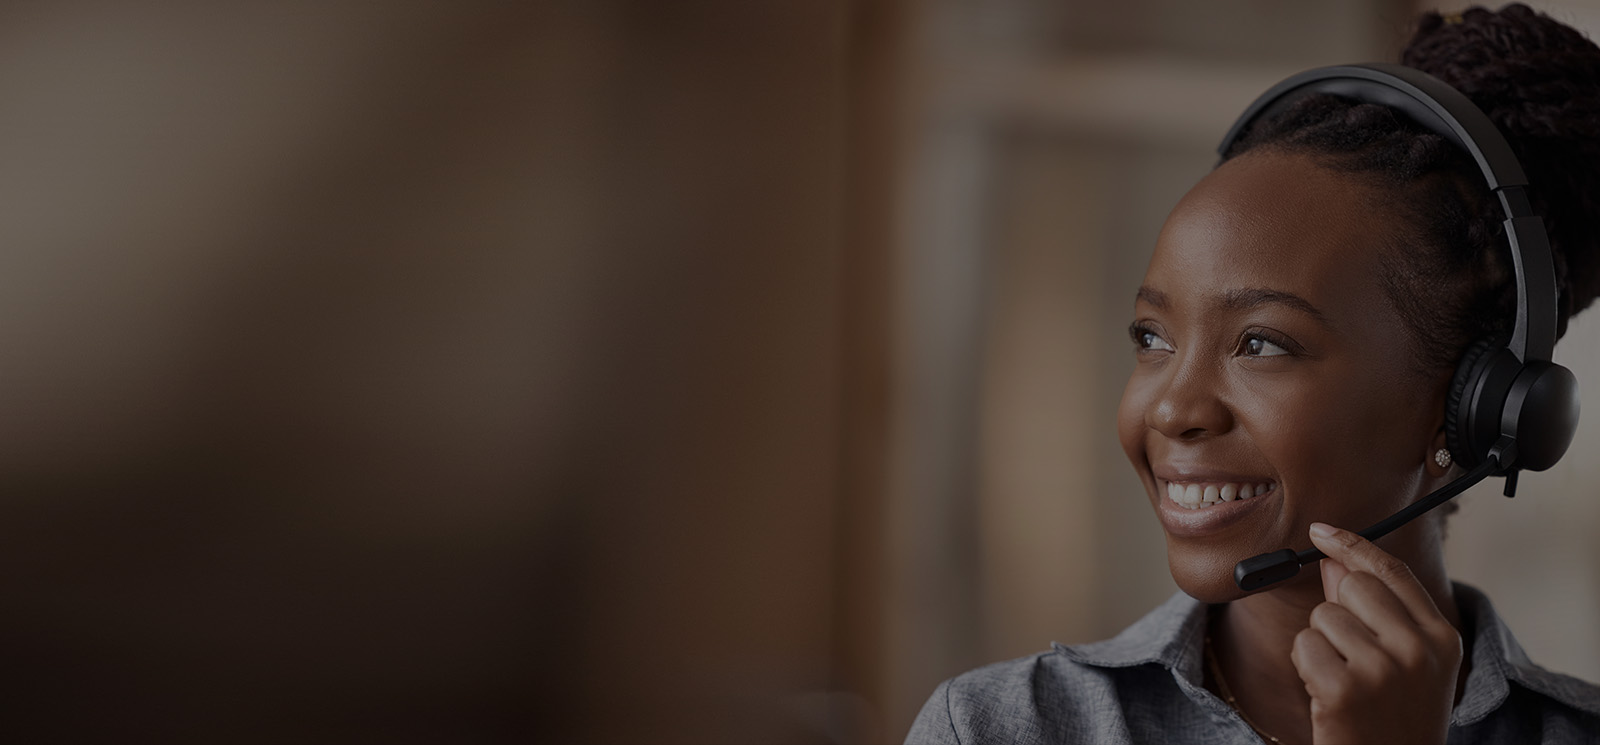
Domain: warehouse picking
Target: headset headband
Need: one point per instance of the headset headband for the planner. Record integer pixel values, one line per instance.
(1507, 408)
(1434, 105)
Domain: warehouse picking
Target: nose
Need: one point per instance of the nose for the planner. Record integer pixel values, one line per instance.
(1188, 406)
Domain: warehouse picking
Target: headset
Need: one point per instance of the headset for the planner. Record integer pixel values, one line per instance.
(1509, 407)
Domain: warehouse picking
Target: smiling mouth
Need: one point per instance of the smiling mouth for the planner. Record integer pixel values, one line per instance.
(1200, 495)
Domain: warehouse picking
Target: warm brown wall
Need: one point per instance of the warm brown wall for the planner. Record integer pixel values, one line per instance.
(438, 372)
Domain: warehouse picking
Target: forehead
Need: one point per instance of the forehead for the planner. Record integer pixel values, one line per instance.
(1275, 221)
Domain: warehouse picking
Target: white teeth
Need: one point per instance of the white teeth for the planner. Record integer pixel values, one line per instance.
(1196, 496)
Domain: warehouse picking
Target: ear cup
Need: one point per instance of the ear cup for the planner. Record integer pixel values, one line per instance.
(1542, 409)
(1477, 398)
(1455, 435)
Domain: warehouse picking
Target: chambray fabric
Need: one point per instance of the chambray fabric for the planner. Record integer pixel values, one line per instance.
(1144, 686)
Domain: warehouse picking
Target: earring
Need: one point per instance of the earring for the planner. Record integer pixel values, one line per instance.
(1442, 457)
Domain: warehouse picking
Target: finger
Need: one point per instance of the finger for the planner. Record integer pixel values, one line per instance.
(1370, 600)
(1332, 573)
(1359, 555)
(1321, 668)
(1346, 633)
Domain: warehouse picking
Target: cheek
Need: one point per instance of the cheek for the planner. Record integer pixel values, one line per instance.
(1289, 425)
(1344, 446)
(1383, 423)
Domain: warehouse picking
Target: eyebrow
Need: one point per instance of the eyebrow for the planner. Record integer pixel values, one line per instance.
(1244, 299)
(1152, 296)
(1251, 297)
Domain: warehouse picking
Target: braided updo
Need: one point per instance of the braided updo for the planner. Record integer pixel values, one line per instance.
(1449, 271)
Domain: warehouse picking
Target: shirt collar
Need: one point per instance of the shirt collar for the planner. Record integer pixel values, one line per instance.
(1172, 635)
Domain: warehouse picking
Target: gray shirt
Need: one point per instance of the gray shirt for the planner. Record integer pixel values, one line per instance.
(1144, 686)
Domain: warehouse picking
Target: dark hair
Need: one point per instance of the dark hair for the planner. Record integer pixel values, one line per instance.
(1449, 273)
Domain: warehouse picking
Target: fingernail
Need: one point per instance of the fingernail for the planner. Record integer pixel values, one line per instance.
(1323, 530)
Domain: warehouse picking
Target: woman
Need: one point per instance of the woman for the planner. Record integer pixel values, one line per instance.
(1295, 335)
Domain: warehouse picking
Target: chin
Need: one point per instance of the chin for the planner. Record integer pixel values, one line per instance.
(1208, 579)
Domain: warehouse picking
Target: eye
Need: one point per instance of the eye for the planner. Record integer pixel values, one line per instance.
(1259, 346)
(1147, 340)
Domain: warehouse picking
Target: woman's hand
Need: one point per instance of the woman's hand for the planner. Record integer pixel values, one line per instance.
(1379, 660)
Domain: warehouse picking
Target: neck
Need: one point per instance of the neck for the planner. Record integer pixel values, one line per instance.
(1253, 636)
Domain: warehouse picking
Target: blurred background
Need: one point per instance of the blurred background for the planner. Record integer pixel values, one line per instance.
(609, 371)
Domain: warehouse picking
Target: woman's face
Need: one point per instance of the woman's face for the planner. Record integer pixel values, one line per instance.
(1269, 359)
